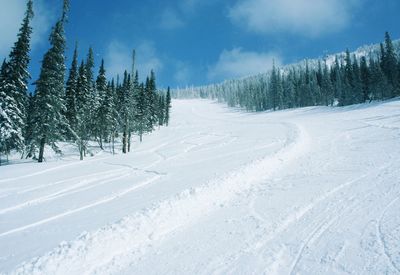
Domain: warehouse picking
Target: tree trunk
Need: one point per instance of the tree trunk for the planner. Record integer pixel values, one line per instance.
(5, 152)
(41, 148)
(113, 139)
(101, 142)
(81, 151)
(129, 141)
(124, 141)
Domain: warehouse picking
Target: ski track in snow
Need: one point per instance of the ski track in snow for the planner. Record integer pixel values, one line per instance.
(326, 223)
(85, 207)
(81, 186)
(84, 184)
(335, 215)
(299, 214)
(382, 238)
(73, 179)
(316, 230)
(52, 169)
(314, 227)
(165, 218)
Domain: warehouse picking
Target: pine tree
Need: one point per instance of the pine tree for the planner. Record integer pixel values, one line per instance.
(161, 110)
(148, 104)
(29, 130)
(276, 89)
(167, 106)
(104, 119)
(11, 136)
(83, 111)
(140, 114)
(327, 87)
(382, 57)
(289, 90)
(319, 75)
(379, 85)
(93, 100)
(345, 97)
(19, 59)
(118, 101)
(49, 104)
(125, 110)
(297, 90)
(398, 72)
(114, 113)
(365, 76)
(70, 92)
(307, 89)
(134, 76)
(315, 90)
(336, 78)
(151, 101)
(390, 65)
(89, 66)
(357, 90)
(15, 81)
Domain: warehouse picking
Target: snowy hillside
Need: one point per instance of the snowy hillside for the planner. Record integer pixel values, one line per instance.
(368, 51)
(306, 191)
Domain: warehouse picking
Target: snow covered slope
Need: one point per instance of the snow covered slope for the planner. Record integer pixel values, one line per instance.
(306, 191)
(369, 51)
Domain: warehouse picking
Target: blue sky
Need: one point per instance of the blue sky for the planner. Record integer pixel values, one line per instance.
(204, 41)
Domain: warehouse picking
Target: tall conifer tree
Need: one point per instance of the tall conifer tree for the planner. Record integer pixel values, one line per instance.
(104, 119)
(83, 111)
(70, 92)
(390, 65)
(11, 136)
(365, 76)
(49, 104)
(167, 106)
(18, 75)
(14, 87)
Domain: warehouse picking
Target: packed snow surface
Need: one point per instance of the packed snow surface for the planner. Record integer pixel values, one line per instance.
(220, 191)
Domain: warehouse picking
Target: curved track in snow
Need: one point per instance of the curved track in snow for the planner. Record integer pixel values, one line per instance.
(308, 191)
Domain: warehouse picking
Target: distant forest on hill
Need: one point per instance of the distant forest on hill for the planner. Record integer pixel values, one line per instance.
(371, 73)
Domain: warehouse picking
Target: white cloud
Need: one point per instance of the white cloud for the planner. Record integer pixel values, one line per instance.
(302, 17)
(147, 58)
(174, 17)
(119, 58)
(42, 22)
(11, 15)
(182, 73)
(190, 5)
(237, 63)
(170, 20)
